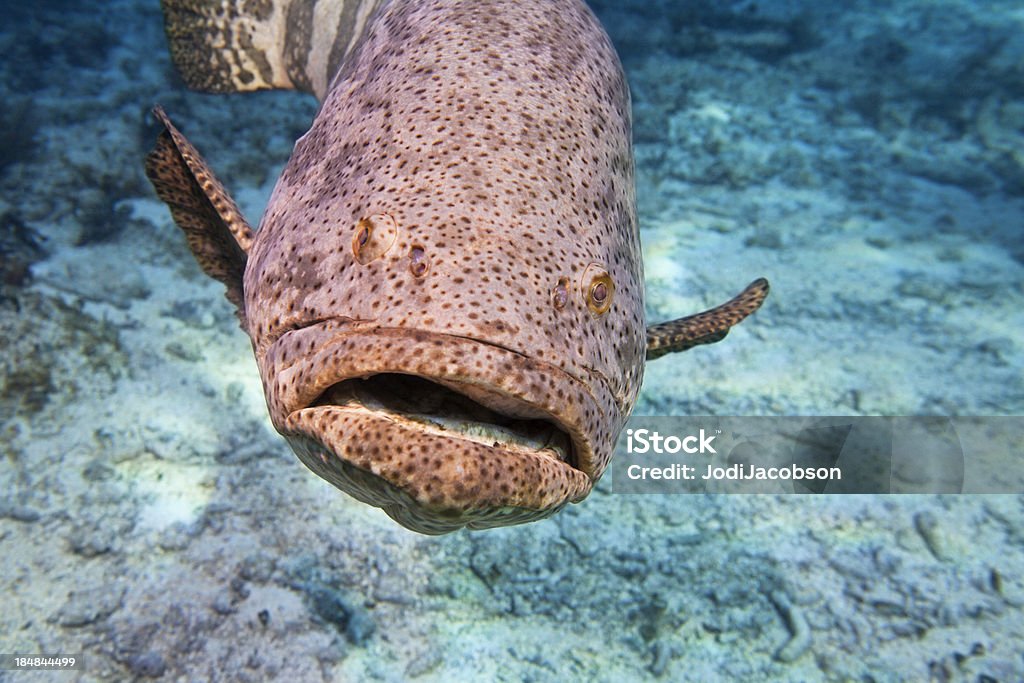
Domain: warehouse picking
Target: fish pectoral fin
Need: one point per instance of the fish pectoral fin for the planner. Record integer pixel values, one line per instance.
(217, 233)
(707, 327)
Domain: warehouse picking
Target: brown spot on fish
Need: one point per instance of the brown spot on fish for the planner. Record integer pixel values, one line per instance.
(445, 295)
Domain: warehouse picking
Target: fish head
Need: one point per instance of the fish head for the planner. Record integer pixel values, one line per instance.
(439, 368)
(445, 292)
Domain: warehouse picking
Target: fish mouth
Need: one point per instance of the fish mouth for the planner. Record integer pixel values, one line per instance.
(421, 404)
(440, 431)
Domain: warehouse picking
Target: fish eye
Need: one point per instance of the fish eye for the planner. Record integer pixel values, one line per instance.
(374, 235)
(364, 228)
(600, 292)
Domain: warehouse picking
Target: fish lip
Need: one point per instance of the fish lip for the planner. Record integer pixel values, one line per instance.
(455, 483)
(431, 481)
(451, 410)
(336, 350)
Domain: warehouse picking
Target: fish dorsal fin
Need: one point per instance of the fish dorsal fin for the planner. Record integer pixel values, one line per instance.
(707, 327)
(217, 233)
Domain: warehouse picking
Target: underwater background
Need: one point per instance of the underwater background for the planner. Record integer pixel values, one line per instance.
(865, 156)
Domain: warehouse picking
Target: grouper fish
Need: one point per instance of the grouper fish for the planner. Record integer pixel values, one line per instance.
(445, 294)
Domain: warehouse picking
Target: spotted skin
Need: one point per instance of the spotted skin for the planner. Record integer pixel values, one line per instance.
(246, 45)
(462, 211)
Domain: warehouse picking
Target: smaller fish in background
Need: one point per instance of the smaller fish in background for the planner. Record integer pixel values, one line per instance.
(445, 294)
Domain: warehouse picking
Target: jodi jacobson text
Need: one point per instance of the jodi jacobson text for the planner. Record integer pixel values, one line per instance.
(736, 472)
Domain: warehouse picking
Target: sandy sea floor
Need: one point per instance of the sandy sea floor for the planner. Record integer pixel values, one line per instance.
(869, 160)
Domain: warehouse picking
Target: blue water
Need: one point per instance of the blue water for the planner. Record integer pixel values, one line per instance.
(867, 157)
